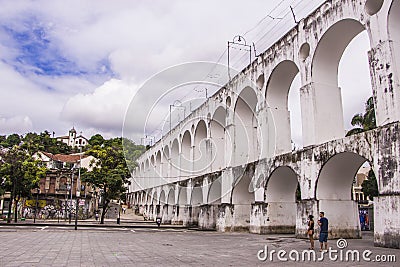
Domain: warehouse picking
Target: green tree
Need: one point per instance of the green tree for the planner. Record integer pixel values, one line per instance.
(370, 186)
(96, 140)
(364, 122)
(21, 173)
(132, 152)
(43, 142)
(11, 140)
(109, 171)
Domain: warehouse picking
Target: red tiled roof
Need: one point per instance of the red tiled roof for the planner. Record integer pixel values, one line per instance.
(64, 158)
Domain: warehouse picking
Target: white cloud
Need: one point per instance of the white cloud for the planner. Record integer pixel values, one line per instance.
(103, 109)
(15, 124)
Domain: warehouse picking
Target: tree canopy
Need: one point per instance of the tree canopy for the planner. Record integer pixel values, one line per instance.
(364, 122)
(370, 186)
(110, 171)
(21, 173)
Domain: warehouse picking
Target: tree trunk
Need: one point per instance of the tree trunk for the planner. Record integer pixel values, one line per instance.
(10, 209)
(16, 210)
(103, 213)
(12, 196)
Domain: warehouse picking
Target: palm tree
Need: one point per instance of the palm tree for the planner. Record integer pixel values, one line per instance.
(366, 121)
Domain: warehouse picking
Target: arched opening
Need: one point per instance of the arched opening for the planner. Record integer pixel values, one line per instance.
(197, 196)
(171, 206)
(182, 197)
(196, 201)
(280, 194)
(186, 159)
(158, 167)
(335, 193)
(215, 193)
(165, 162)
(394, 35)
(201, 160)
(217, 129)
(277, 95)
(147, 178)
(161, 207)
(171, 197)
(327, 103)
(152, 171)
(182, 204)
(174, 169)
(162, 201)
(242, 197)
(245, 127)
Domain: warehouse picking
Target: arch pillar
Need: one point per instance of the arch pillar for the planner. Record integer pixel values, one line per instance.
(385, 83)
(317, 110)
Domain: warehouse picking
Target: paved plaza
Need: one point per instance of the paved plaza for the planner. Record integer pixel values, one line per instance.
(103, 246)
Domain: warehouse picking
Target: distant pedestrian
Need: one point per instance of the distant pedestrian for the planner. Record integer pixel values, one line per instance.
(96, 216)
(123, 210)
(310, 230)
(323, 234)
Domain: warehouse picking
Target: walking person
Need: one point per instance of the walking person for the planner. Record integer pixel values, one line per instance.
(323, 233)
(310, 230)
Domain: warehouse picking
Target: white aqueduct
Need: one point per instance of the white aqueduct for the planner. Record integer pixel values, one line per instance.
(229, 165)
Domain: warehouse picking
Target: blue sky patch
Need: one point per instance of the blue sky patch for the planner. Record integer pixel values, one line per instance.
(38, 54)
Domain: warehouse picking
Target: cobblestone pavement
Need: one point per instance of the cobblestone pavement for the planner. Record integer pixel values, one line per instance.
(102, 246)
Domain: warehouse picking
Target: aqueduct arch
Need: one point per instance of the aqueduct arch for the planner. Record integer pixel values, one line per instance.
(217, 133)
(324, 71)
(201, 158)
(245, 127)
(277, 101)
(333, 192)
(280, 195)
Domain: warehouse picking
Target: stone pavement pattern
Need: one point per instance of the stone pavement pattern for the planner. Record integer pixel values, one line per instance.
(150, 247)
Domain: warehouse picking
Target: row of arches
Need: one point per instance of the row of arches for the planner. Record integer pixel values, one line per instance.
(333, 192)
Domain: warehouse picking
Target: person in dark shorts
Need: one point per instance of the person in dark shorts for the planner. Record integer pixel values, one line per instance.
(310, 230)
(323, 234)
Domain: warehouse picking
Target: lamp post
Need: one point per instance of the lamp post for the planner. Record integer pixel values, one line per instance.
(71, 189)
(78, 191)
(67, 188)
(36, 204)
(177, 104)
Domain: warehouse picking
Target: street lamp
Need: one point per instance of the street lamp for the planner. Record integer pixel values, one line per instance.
(36, 204)
(78, 192)
(66, 202)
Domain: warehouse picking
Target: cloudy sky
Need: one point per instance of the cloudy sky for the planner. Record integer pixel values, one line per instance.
(78, 63)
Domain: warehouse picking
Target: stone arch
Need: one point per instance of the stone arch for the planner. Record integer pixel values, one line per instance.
(276, 95)
(185, 157)
(174, 171)
(217, 133)
(158, 165)
(245, 121)
(163, 198)
(165, 161)
(171, 197)
(153, 199)
(394, 35)
(280, 194)
(215, 193)
(200, 157)
(182, 196)
(241, 198)
(327, 98)
(196, 198)
(146, 173)
(334, 195)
